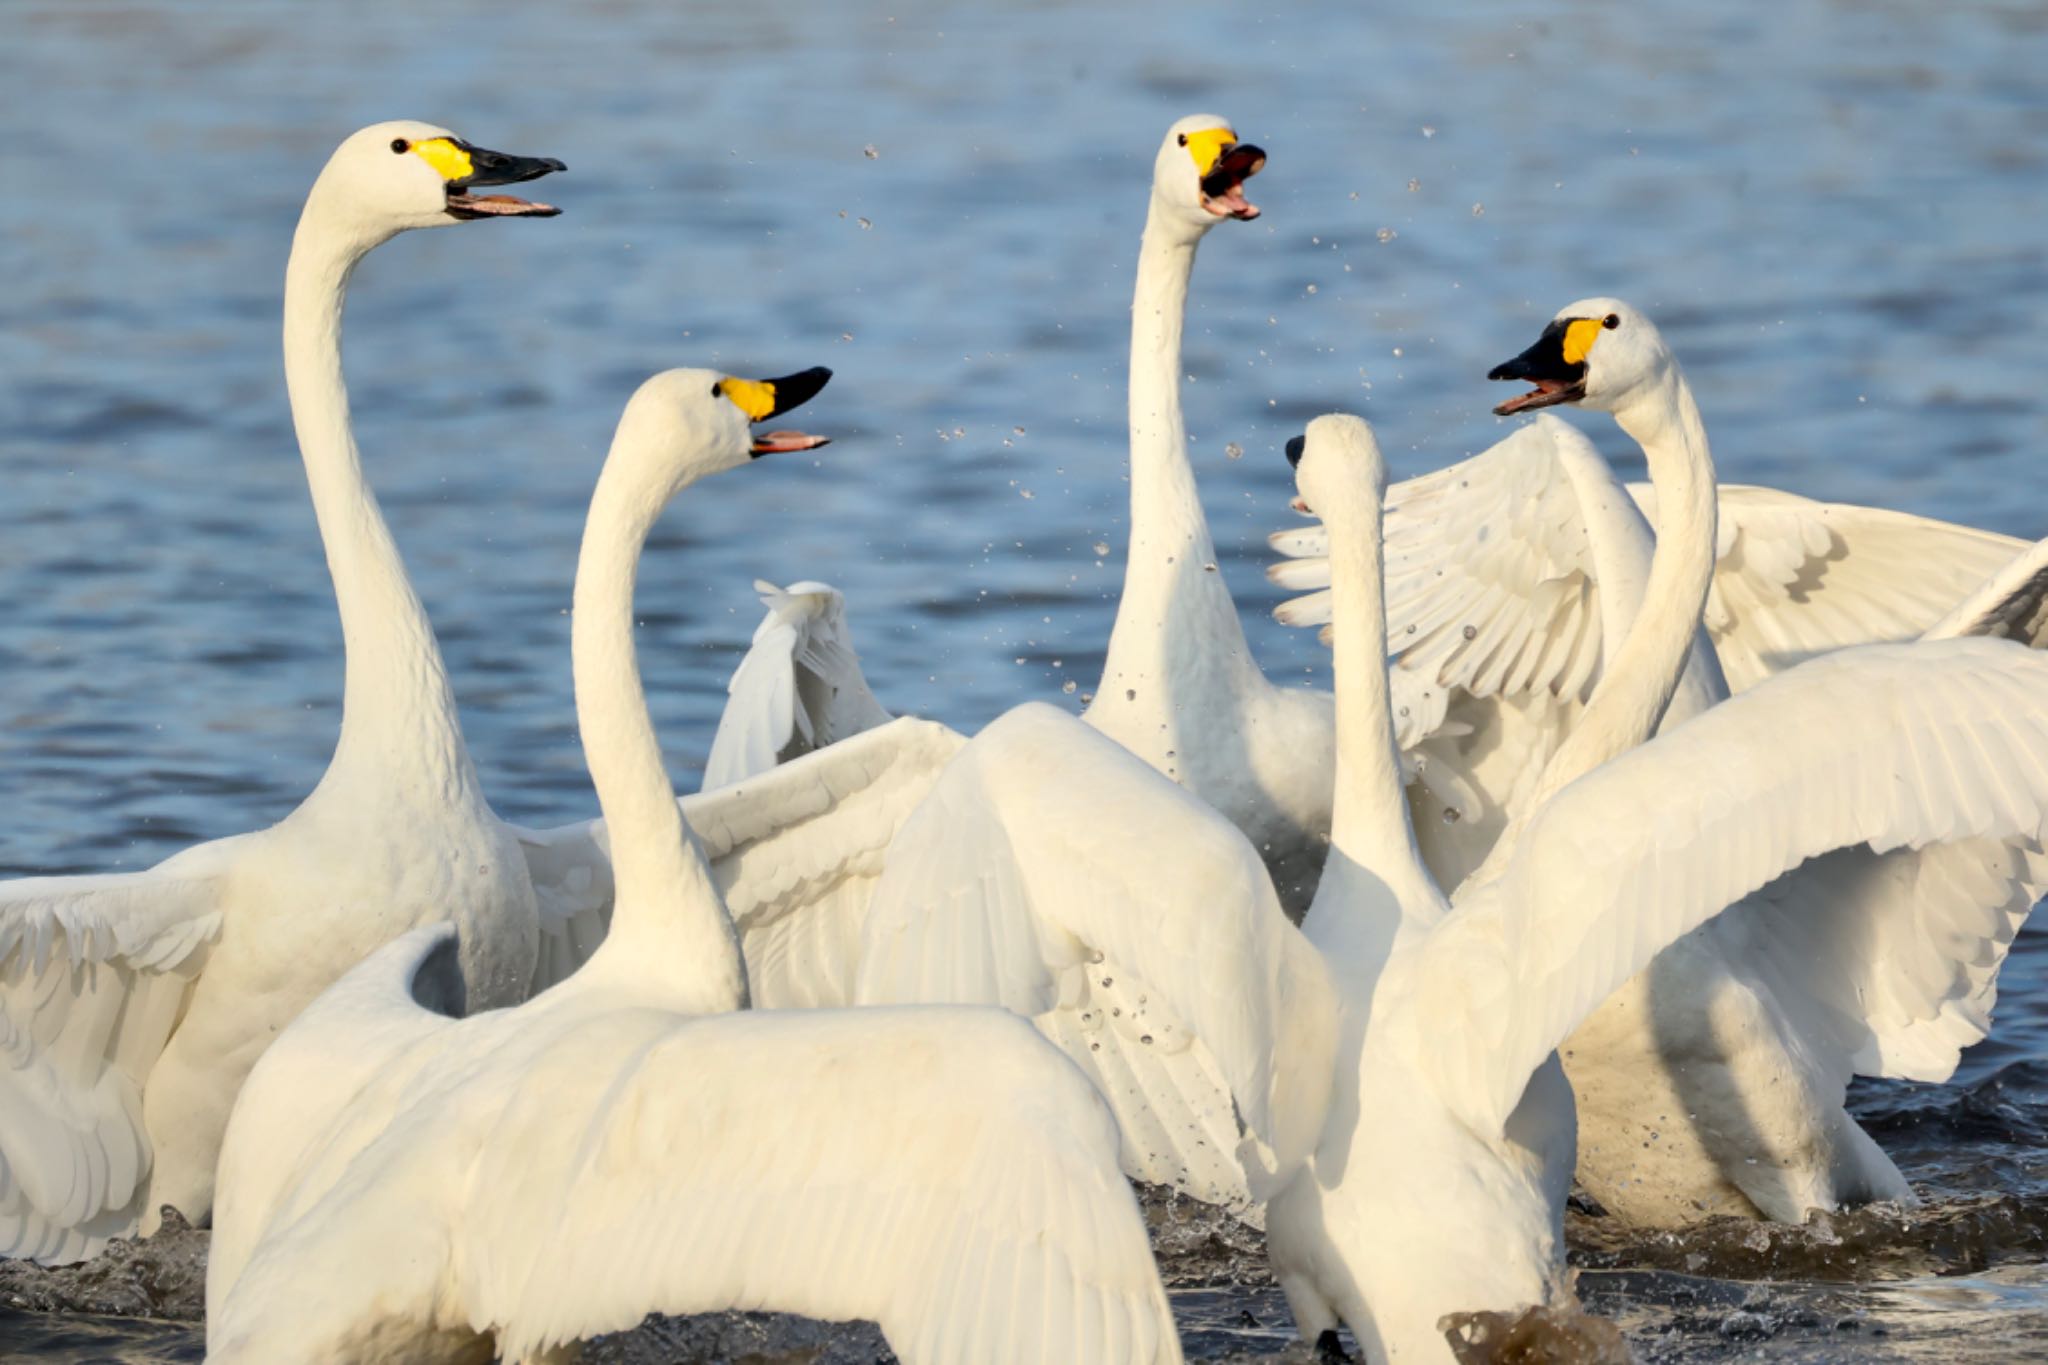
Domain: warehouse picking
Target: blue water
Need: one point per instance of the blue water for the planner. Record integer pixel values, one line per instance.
(1835, 211)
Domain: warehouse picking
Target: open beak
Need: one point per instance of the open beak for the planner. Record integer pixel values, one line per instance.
(1223, 186)
(765, 399)
(498, 168)
(1557, 380)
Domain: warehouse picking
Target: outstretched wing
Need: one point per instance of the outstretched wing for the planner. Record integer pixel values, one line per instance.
(1053, 872)
(799, 687)
(94, 974)
(796, 850)
(941, 1172)
(1898, 747)
(1492, 573)
(1896, 955)
(1796, 578)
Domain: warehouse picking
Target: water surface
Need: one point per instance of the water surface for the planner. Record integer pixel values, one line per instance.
(1834, 211)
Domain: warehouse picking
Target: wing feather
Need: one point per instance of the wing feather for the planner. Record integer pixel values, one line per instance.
(1900, 748)
(799, 688)
(1797, 578)
(914, 1167)
(94, 974)
(1052, 872)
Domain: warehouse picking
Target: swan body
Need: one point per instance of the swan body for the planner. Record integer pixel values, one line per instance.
(1714, 1082)
(1452, 1010)
(622, 1143)
(799, 688)
(132, 1005)
(1179, 686)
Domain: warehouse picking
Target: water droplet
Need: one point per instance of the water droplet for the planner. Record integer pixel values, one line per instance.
(865, 224)
(1233, 451)
(1024, 493)
(846, 336)
(959, 431)
(1451, 816)
(1101, 547)
(1130, 694)
(1428, 130)
(1210, 567)
(1414, 185)
(1397, 352)
(1311, 289)
(1387, 234)
(1479, 210)
(870, 151)
(1471, 632)
(1411, 627)
(1068, 686)
(1145, 1038)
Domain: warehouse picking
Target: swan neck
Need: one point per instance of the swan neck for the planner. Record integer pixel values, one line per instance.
(1633, 694)
(1376, 882)
(398, 711)
(670, 935)
(1176, 616)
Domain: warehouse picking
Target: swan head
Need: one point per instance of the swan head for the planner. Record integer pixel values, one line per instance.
(686, 424)
(390, 177)
(1598, 353)
(1338, 452)
(1198, 177)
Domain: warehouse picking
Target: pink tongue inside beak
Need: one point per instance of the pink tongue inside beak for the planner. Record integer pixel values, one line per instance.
(776, 442)
(1231, 204)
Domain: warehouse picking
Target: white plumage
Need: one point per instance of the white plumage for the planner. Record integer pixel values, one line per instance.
(1453, 1010)
(162, 987)
(398, 1183)
(799, 688)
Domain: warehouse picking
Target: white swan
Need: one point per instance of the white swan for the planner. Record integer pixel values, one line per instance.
(1714, 1081)
(799, 688)
(131, 1005)
(1440, 1181)
(1179, 686)
(399, 1183)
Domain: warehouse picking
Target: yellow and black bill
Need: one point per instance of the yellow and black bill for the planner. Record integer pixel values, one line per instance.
(1223, 181)
(1556, 365)
(465, 167)
(762, 399)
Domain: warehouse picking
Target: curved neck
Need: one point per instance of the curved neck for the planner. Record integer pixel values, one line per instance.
(398, 713)
(670, 936)
(1175, 616)
(1375, 882)
(1633, 693)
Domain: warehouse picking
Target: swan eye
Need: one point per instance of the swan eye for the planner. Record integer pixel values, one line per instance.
(718, 390)
(1183, 139)
(400, 145)
(1611, 321)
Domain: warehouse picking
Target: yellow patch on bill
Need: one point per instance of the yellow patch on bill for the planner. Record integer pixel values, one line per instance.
(445, 157)
(1579, 336)
(1207, 145)
(751, 396)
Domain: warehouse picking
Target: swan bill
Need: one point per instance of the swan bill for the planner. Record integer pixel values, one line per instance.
(468, 167)
(1556, 365)
(761, 399)
(1223, 183)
